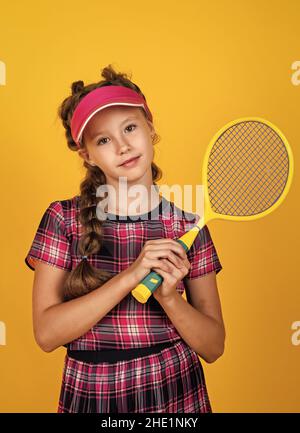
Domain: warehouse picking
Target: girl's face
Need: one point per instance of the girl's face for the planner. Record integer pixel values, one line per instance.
(116, 134)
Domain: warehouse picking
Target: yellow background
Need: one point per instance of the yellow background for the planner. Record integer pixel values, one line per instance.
(200, 64)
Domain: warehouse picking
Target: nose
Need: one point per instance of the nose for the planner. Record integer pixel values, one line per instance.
(122, 145)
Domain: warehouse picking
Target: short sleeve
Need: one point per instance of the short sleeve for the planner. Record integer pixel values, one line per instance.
(50, 243)
(202, 255)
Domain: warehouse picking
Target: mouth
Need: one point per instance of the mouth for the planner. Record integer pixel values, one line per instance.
(130, 162)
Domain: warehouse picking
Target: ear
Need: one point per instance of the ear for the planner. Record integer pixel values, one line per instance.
(83, 153)
(151, 127)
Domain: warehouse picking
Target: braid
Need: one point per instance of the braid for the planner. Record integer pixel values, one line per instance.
(85, 277)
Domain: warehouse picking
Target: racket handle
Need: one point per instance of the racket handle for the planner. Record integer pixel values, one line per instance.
(149, 284)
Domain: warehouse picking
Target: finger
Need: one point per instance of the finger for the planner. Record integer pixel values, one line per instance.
(159, 263)
(174, 259)
(168, 278)
(168, 243)
(177, 273)
(187, 263)
(177, 270)
(162, 273)
(170, 265)
(182, 249)
(178, 248)
(162, 254)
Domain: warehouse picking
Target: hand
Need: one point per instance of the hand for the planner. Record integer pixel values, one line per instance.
(151, 257)
(171, 278)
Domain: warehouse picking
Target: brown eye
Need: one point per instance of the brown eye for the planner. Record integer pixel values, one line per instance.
(101, 141)
(130, 126)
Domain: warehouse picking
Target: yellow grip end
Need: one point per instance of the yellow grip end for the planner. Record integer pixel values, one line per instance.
(141, 293)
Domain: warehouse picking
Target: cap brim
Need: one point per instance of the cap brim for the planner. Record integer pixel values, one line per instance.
(79, 137)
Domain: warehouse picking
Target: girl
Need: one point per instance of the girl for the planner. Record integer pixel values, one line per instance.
(122, 355)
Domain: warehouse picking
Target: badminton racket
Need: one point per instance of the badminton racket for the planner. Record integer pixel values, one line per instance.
(246, 174)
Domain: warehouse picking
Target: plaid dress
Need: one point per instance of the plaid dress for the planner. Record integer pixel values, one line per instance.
(171, 380)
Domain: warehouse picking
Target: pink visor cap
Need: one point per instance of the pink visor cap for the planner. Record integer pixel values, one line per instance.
(100, 98)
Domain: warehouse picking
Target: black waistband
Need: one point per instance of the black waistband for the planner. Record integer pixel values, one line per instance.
(114, 355)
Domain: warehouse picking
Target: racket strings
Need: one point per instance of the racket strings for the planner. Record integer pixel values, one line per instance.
(252, 173)
(238, 197)
(248, 169)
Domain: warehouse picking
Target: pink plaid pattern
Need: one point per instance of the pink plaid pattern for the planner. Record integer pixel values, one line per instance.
(170, 381)
(129, 324)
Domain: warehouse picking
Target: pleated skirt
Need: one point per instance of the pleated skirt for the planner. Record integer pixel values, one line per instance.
(170, 381)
